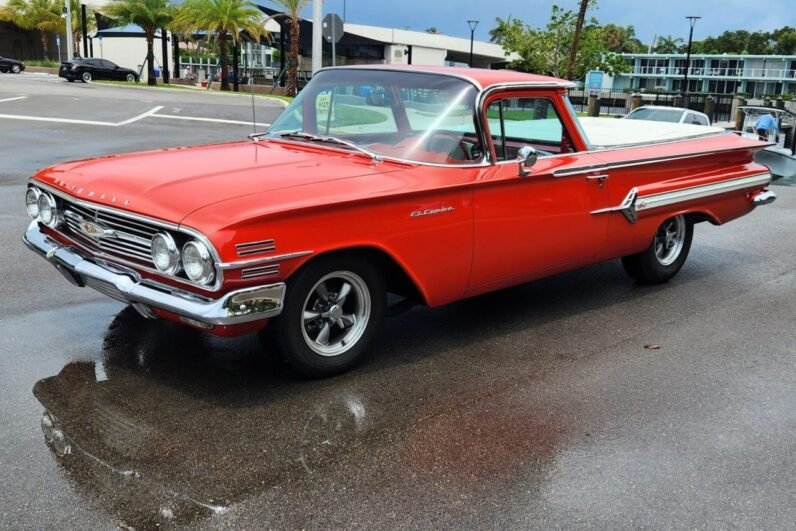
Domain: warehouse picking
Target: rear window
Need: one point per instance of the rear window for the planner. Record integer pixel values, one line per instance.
(656, 115)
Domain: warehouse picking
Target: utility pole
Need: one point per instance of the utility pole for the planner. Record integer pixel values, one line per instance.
(472, 24)
(691, 20)
(317, 35)
(69, 46)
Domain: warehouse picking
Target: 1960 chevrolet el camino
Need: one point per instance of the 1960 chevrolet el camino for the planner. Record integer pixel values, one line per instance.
(435, 184)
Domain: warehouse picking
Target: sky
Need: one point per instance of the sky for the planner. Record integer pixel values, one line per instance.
(648, 17)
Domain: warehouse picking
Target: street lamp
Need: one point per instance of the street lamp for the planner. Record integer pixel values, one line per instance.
(691, 20)
(472, 24)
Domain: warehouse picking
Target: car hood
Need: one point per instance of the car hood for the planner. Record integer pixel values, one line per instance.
(170, 184)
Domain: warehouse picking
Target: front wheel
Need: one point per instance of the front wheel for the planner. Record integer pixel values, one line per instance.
(667, 253)
(86, 77)
(130, 78)
(16, 69)
(333, 309)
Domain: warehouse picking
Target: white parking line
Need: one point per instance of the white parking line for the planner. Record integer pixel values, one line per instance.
(55, 120)
(150, 112)
(214, 120)
(13, 99)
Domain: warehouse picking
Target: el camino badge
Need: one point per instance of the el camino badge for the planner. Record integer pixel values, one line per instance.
(95, 230)
(431, 211)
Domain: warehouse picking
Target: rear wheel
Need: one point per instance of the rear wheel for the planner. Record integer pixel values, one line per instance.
(86, 77)
(667, 253)
(333, 309)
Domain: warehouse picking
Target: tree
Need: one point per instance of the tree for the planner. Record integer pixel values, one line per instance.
(41, 15)
(667, 44)
(293, 9)
(225, 20)
(573, 53)
(149, 15)
(622, 39)
(548, 50)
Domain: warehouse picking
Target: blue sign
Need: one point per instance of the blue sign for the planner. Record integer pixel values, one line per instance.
(595, 80)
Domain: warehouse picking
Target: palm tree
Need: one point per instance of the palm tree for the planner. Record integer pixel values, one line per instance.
(573, 53)
(224, 20)
(41, 15)
(667, 44)
(293, 9)
(149, 15)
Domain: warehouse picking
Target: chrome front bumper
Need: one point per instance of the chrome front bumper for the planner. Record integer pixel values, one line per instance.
(237, 307)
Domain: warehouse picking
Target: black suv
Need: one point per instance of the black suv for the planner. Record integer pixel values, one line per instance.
(93, 68)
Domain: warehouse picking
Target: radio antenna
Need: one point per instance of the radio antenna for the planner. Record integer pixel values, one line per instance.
(254, 120)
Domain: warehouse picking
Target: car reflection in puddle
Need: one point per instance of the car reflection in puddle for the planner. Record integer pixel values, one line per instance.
(165, 430)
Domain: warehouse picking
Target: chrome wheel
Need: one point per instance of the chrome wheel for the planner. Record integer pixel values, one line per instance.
(336, 313)
(669, 240)
(86, 77)
(16, 69)
(130, 78)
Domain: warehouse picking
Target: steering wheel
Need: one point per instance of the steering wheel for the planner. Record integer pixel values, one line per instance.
(448, 143)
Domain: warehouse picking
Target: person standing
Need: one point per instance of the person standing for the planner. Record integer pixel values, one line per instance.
(765, 124)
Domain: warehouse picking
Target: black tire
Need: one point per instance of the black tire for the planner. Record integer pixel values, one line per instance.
(16, 69)
(359, 315)
(665, 256)
(70, 80)
(85, 77)
(130, 78)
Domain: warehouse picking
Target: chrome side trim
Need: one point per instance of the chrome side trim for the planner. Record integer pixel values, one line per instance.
(633, 203)
(262, 246)
(237, 307)
(567, 172)
(260, 261)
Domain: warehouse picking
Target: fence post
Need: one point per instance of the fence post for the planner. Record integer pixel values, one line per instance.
(710, 108)
(678, 101)
(780, 104)
(594, 105)
(635, 101)
(739, 114)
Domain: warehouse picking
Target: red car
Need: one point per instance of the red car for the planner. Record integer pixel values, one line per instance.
(434, 184)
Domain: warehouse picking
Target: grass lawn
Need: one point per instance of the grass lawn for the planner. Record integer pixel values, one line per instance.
(345, 115)
(45, 64)
(163, 86)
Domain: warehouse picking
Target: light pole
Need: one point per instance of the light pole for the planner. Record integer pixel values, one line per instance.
(68, 13)
(691, 20)
(472, 24)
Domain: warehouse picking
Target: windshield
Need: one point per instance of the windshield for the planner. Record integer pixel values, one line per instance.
(405, 115)
(656, 115)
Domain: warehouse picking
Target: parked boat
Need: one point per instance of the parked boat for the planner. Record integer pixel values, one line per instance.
(779, 158)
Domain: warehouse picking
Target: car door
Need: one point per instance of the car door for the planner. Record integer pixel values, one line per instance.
(111, 70)
(540, 222)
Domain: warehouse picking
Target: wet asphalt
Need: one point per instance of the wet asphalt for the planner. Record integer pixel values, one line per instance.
(579, 401)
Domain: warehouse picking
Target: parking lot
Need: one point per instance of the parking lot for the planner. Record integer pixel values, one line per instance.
(580, 400)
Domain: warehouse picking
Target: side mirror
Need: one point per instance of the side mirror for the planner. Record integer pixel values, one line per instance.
(526, 157)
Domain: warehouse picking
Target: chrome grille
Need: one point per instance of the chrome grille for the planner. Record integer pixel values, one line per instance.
(133, 238)
(264, 246)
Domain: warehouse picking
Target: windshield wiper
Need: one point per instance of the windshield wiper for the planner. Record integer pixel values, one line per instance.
(330, 140)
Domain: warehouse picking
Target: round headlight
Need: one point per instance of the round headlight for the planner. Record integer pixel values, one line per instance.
(32, 202)
(197, 262)
(48, 213)
(165, 254)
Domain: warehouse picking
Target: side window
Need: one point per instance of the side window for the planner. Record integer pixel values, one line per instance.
(107, 64)
(518, 122)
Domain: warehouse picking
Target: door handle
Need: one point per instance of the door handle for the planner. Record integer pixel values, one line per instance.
(600, 178)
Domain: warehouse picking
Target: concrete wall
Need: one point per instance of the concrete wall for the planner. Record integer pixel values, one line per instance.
(129, 52)
(428, 56)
